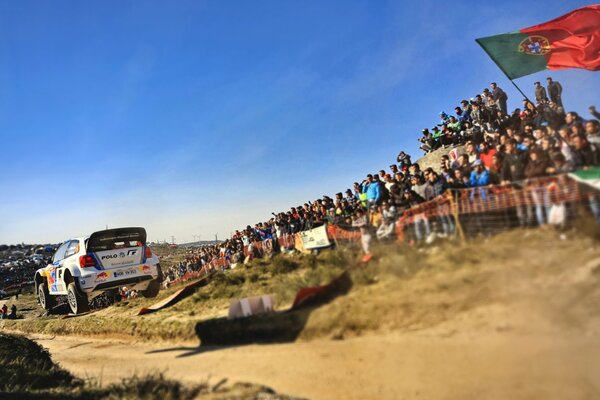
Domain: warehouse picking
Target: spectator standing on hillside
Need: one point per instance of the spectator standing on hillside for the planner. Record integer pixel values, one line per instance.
(592, 131)
(388, 221)
(360, 220)
(540, 93)
(513, 165)
(486, 154)
(372, 189)
(418, 185)
(592, 110)
(435, 186)
(462, 115)
(480, 176)
(555, 91)
(500, 97)
(13, 312)
(403, 160)
(586, 153)
(537, 165)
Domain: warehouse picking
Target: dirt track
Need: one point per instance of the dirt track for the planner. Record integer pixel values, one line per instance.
(393, 366)
(508, 322)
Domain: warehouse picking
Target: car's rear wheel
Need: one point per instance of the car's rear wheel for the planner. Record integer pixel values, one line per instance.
(152, 289)
(46, 301)
(77, 302)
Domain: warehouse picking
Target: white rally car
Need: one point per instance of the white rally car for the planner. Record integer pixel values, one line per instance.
(86, 267)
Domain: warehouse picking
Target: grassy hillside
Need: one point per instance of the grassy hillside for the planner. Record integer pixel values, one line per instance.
(515, 279)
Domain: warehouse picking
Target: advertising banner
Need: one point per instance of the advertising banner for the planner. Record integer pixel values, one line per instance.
(315, 238)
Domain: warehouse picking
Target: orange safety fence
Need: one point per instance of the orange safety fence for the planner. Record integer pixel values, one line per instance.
(501, 205)
(493, 204)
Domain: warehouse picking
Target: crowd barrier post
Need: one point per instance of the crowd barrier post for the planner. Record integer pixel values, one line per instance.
(455, 214)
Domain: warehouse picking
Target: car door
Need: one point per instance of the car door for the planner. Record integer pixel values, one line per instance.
(72, 250)
(52, 269)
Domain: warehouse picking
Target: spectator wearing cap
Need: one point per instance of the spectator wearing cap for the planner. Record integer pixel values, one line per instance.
(436, 137)
(540, 93)
(410, 199)
(485, 97)
(555, 91)
(500, 97)
(427, 141)
(480, 176)
(443, 118)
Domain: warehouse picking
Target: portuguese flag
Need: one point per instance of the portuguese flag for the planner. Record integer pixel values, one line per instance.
(570, 41)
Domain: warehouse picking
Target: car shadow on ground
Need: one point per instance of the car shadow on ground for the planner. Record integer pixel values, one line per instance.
(270, 328)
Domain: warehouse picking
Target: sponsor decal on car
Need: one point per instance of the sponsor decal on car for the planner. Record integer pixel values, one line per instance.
(101, 277)
(51, 275)
(146, 269)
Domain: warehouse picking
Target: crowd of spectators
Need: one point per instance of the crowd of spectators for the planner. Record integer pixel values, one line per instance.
(496, 147)
(19, 270)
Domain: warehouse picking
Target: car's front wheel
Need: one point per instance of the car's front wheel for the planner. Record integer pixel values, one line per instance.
(77, 302)
(152, 289)
(46, 301)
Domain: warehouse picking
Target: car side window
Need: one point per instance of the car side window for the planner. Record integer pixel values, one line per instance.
(73, 248)
(60, 253)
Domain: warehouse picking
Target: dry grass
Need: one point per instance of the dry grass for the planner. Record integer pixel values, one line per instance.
(404, 288)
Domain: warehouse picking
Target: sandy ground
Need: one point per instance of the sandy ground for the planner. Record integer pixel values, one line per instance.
(502, 322)
(390, 366)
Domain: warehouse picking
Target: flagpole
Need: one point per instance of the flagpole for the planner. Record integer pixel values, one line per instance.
(503, 71)
(519, 89)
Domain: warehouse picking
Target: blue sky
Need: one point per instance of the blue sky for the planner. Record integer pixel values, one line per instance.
(195, 118)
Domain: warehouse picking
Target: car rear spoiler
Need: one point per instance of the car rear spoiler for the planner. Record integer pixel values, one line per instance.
(108, 239)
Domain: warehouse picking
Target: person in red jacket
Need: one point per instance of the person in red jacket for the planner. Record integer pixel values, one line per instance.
(486, 154)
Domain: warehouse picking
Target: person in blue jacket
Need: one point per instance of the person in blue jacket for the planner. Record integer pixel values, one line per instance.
(371, 187)
(480, 176)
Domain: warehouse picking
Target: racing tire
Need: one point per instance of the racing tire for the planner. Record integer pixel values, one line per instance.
(46, 301)
(77, 302)
(152, 289)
